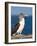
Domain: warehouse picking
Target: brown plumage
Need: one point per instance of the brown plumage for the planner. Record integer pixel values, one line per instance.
(14, 30)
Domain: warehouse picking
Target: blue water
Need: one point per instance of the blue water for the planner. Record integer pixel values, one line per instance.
(28, 21)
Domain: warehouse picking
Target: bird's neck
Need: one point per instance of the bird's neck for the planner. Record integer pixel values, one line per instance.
(21, 21)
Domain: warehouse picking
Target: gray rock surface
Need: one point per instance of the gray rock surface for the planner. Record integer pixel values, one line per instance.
(20, 36)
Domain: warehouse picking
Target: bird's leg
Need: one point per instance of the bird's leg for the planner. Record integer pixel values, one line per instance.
(16, 33)
(20, 33)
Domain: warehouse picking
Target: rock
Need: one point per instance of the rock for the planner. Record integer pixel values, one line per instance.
(20, 36)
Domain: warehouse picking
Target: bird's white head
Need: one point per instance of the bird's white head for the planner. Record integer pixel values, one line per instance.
(21, 15)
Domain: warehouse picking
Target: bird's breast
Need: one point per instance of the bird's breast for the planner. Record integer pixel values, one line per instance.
(21, 27)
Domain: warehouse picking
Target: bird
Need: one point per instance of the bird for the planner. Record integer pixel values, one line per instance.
(20, 25)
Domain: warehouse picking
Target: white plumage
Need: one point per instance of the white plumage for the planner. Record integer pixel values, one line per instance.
(22, 24)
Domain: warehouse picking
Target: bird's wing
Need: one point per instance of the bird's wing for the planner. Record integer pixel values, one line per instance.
(17, 25)
(14, 30)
